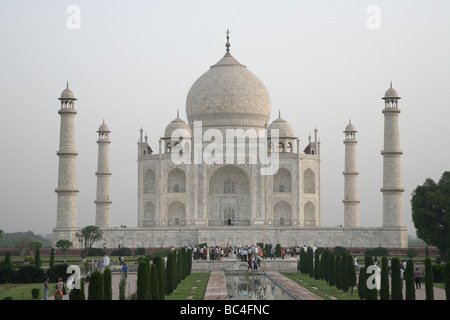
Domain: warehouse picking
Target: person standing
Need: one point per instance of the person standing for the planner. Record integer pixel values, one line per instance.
(272, 253)
(46, 288)
(417, 278)
(125, 270)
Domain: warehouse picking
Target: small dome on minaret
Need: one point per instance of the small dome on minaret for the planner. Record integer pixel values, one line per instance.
(67, 94)
(350, 127)
(103, 127)
(391, 93)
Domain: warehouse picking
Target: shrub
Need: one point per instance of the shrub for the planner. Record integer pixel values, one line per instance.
(429, 293)
(384, 285)
(411, 253)
(37, 259)
(121, 252)
(396, 290)
(78, 294)
(6, 273)
(107, 284)
(338, 250)
(344, 270)
(96, 291)
(35, 293)
(143, 281)
(447, 280)
(362, 283)
(94, 252)
(171, 272)
(122, 285)
(154, 282)
(162, 281)
(29, 274)
(351, 272)
(338, 271)
(379, 251)
(52, 258)
(410, 293)
(278, 250)
(317, 266)
(371, 294)
(58, 271)
(139, 252)
(332, 269)
(438, 273)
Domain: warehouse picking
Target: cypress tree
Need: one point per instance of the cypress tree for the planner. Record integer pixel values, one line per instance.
(95, 289)
(326, 264)
(37, 258)
(154, 281)
(396, 280)
(78, 294)
(317, 266)
(8, 260)
(338, 271)
(447, 280)
(332, 269)
(122, 285)
(52, 258)
(429, 293)
(171, 272)
(345, 285)
(384, 285)
(107, 284)
(351, 272)
(142, 290)
(310, 262)
(410, 291)
(189, 261)
(162, 280)
(362, 283)
(371, 294)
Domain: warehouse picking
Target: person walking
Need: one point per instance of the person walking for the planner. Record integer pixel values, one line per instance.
(46, 288)
(272, 253)
(125, 270)
(417, 278)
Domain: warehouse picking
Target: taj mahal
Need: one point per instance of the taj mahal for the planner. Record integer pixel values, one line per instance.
(207, 179)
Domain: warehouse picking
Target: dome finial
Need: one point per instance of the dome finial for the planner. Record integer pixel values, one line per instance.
(67, 84)
(228, 45)
(391, 84)
(279, 113)
(178, 113)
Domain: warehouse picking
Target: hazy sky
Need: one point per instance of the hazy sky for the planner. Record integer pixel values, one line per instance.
(132, 63)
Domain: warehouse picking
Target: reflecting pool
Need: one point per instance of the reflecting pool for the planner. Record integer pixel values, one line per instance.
(248, 286)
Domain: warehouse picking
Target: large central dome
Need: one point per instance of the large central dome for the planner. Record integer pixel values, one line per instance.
(228, 95)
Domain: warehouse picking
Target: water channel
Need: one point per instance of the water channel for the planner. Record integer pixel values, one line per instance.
(254, 286)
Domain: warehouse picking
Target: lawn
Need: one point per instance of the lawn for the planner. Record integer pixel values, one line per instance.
(191, 288)
(321, 288)
(21, 291)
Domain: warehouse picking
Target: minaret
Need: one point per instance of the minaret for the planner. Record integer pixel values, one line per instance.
(66, 216)
(392, 178)
(351, 201)
(103, 200)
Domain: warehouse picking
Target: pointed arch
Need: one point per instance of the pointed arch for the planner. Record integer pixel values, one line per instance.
(309, 181)
(310, 213)
(176, 181)
(282, 213)
(176, 214)
(149, 181)
(282, 181)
